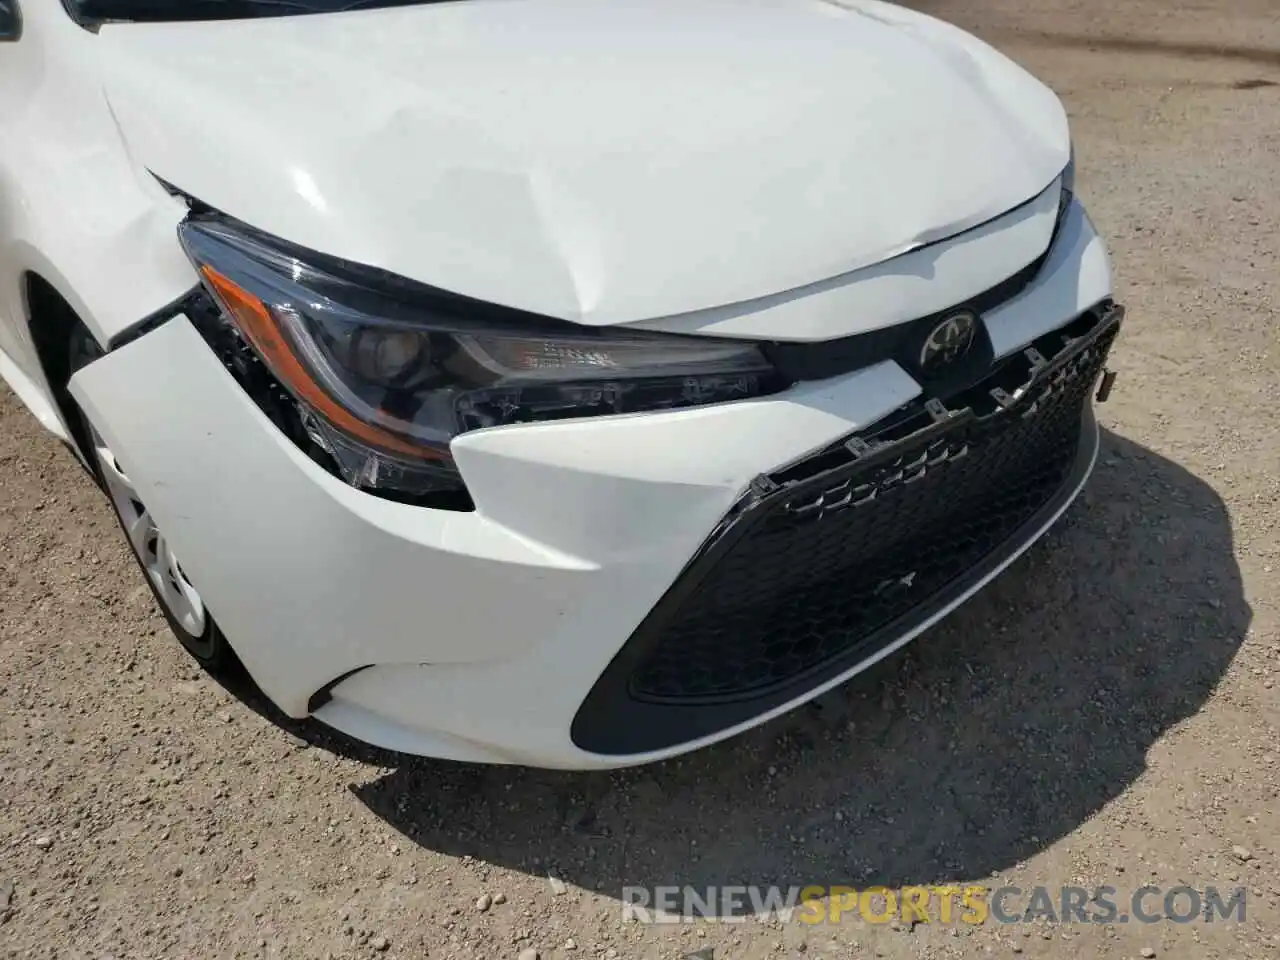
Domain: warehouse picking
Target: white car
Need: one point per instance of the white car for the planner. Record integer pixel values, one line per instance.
(552, 382)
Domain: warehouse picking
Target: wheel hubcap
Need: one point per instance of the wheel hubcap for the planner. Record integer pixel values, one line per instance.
(176, 592)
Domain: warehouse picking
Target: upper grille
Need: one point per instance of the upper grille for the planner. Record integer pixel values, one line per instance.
(799, 361)
(830, 558)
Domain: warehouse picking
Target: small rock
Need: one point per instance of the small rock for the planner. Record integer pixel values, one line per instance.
(499, 897)
(6, 893)
(529, 953)
(557, 885)
(484, 903)
(610, 954)
(44, 843)
(380, 943)
(571, 944)
(1243, 854)
(177, 871)
(1017, 948)
(1148, 952)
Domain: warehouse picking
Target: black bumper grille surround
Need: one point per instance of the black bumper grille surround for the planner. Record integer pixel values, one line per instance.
(836, 556)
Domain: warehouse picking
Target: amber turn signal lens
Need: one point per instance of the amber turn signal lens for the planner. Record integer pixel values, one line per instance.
(263, 332)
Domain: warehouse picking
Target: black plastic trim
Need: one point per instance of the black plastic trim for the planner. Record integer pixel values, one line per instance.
(612, 722)
(901, 342)
(325, 693)
(152, 321)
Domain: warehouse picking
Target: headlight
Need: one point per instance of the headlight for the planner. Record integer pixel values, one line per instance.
(386, 372)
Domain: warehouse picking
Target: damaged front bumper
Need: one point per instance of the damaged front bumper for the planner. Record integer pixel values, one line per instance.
(479, 635)
(837, 559)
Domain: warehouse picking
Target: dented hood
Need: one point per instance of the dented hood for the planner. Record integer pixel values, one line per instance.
(599, 162)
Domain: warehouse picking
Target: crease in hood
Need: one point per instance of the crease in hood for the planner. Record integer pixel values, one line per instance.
(602, 163)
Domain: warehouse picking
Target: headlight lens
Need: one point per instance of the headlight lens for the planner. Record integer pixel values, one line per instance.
(386, 372)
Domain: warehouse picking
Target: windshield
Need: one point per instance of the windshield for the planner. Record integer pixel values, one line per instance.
(99, 11)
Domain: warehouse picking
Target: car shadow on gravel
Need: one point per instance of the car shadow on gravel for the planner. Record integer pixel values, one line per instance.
(995, 734)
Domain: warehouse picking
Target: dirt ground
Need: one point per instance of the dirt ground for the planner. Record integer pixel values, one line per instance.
(1106, 713)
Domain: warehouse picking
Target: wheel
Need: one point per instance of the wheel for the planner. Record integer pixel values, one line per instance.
(179, 600)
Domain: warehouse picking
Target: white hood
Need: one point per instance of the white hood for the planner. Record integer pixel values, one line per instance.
(604, 162)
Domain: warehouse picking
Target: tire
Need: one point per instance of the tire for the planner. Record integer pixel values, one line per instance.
(176, 596)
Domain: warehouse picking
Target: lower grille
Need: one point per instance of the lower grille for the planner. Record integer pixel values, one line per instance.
(833, 557)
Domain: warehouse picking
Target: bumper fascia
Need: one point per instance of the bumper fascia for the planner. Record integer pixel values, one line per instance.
(476, 636)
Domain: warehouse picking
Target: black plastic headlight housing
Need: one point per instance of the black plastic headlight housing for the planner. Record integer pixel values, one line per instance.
(386, 372)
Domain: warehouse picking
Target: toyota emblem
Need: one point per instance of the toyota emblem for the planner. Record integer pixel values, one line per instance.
(949, 341)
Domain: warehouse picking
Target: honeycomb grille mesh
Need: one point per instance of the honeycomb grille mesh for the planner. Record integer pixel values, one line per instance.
(824, 569)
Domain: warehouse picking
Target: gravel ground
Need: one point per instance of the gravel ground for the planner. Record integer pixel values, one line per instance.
(1104, 714)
